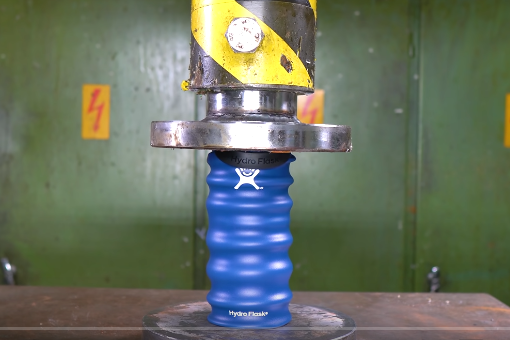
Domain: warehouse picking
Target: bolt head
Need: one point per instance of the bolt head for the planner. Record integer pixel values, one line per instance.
(244, 35)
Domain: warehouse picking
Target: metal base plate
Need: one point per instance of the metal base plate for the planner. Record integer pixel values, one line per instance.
(189, 321)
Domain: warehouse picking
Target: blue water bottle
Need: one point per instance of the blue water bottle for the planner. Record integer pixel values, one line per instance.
(249, 238)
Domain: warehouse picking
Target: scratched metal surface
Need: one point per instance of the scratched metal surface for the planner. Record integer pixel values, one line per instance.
(190, 321)
(464, 180)
(94, 213)
(98, 313)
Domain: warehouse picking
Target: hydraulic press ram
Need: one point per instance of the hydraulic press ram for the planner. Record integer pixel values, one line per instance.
(251, 59)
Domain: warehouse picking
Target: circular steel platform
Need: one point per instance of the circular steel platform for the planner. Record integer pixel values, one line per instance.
(251, 136)
(189, 321)
(251, 120)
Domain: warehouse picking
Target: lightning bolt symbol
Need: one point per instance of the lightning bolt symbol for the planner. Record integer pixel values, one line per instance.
(306, 112)
(94, 108)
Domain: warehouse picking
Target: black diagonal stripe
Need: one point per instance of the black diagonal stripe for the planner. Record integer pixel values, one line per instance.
(294, 23)
(205, 72)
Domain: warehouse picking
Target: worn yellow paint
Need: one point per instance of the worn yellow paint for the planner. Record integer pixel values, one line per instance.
(185, 85)
(311, 108)
(507, 122)
(313, 3)
(209, 22)
(95, 112)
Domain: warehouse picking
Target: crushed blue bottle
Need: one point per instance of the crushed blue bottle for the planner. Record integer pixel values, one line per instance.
(248, 239)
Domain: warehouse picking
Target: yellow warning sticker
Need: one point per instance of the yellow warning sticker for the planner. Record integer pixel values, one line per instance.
(311, 108)
(507, 122)
(95, 112)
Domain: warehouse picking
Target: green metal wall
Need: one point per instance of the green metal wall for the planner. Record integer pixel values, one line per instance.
(347, 219)
(94, 213)
(422, 84)
(464, 177)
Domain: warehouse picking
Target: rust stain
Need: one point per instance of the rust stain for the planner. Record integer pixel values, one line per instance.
(286, 63)
(199, 72)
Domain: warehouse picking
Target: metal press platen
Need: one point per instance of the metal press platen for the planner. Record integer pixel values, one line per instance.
(251, 59)
(251, 120)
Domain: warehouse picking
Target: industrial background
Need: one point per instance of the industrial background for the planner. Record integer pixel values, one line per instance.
(421, 83)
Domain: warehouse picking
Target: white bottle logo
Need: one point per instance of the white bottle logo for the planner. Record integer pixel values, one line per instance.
(247, 176)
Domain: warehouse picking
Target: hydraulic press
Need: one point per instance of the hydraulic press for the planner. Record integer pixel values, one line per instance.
(250, 59)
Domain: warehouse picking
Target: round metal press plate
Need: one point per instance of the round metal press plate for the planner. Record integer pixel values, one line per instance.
(189, 321)
(251, 136)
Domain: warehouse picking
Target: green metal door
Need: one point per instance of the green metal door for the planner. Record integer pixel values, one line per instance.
(348, 217)
(94, 213)
(464, 174)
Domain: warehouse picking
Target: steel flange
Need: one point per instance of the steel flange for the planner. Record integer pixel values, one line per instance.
(247, 120)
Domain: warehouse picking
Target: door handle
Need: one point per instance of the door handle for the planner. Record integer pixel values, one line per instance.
(434, 280)
(8, 272)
